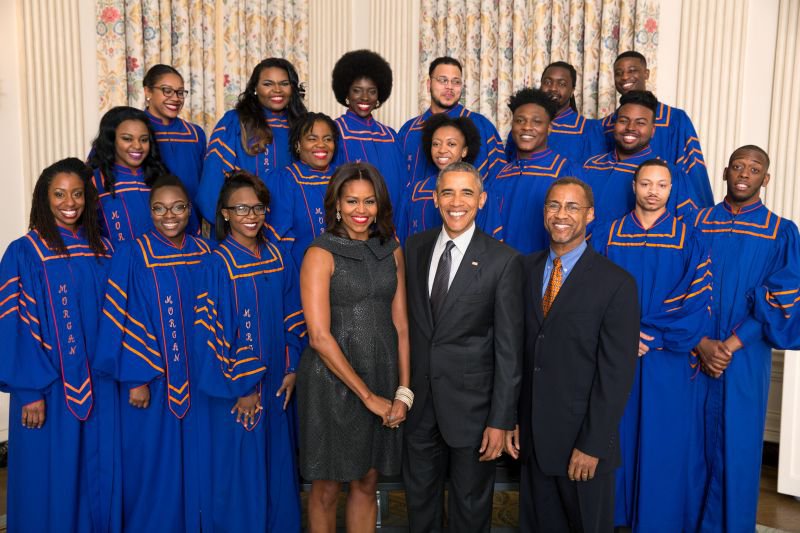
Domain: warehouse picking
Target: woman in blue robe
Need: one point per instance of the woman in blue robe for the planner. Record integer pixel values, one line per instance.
(146, 335)
(251, 334)
(445, 140)
(254, 136)
(522, 185)
(298, 212)
(181, 144)
(658, 434)
(489, 159)
(63, 474)
(362, 82)
(125, 160)
(571, 134)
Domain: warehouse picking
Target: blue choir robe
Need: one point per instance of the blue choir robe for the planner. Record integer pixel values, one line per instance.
(64, 476)
(671, 266)
(611, 180)
(182, 146)
(572, 135)
(146, 338)
(251, 333)
(297, 210)
(370, 141)
(756, 269)
(418, 213)
(490, 157)
(675, 141)
(225, 153)
(521, 188)
(126, 215)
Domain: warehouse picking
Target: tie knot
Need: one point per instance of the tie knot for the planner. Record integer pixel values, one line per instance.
(557, 262)
(449, 246)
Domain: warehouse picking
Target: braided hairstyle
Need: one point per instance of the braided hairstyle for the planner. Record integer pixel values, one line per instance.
(42, 219)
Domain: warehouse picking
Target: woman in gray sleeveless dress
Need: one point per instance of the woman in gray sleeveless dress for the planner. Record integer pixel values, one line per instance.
(352, 379)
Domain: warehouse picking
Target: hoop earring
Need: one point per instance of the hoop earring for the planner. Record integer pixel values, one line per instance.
(338, 216)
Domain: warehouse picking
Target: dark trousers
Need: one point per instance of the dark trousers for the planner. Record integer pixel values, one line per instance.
(426, 462)
(556, 504)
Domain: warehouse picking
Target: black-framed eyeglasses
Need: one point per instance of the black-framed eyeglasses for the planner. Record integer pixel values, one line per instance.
(176, 209)
(571, 208)
(243, 210)
(168, 91)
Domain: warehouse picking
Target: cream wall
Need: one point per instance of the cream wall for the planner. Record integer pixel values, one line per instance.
(12, 215)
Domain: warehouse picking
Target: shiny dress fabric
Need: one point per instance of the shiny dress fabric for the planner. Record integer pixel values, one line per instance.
(340, 439)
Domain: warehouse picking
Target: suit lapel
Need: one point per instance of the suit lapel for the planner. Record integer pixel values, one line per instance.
(423, 268)
(468, 270)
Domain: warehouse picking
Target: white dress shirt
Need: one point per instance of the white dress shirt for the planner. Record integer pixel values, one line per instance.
(456, 254)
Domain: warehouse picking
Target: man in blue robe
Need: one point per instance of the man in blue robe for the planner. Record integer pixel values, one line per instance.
(251, 333)
(674, 139)
(522, 185)
(671, 267)
(611, 174)
(146, 339)
(756, 272)
(571, 134)
(445, 83)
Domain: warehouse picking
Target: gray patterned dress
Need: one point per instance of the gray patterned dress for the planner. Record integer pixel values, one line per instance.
(340, 439)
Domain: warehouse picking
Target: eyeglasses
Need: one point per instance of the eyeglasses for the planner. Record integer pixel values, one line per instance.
(453, 82)
(243, 210)
(176, 209)
(555, 207)
(168, 91)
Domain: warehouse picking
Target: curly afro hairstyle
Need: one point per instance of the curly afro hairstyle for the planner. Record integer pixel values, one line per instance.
(472, 137)
(359, 64)
(533, 96)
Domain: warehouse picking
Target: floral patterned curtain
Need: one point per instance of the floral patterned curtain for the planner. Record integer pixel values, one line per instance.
(214, 45)
(253, 30)
(504, 45)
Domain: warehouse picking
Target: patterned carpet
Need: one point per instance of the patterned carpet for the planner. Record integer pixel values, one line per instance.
(505, 514)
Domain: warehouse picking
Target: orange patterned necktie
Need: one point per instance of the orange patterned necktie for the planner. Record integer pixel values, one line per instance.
(552, 287)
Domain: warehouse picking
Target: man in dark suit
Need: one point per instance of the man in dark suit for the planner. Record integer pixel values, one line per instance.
(581, 344)
(465, 317)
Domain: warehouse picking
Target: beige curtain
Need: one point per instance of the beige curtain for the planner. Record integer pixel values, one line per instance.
(214, 44)
(505, 45)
